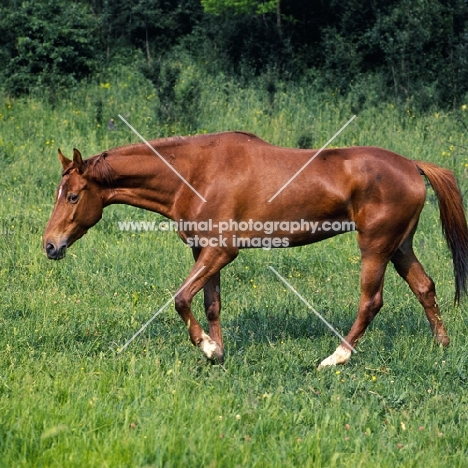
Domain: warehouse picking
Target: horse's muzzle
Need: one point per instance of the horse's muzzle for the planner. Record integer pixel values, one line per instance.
(55, 253)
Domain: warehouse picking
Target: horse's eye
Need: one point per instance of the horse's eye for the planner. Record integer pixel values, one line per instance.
(72, 198)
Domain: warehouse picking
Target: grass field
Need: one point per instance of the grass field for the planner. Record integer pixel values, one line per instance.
(68, 399)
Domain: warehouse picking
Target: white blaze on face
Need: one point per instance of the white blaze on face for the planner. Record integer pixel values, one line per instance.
(60, 192)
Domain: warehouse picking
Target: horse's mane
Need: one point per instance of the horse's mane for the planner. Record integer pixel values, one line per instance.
(98, 168)
(159, 142)
(180, 140)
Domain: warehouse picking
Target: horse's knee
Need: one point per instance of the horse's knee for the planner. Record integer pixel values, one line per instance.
(182, 302)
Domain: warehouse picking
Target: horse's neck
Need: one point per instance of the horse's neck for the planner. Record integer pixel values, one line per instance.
(143, 180)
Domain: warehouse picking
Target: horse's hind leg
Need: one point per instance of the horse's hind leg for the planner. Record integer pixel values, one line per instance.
(372, 277)
(409, 268)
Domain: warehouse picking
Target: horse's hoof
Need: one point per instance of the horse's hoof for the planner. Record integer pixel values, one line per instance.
(211, 349)
(217, 359)
(340, 356)
(444, 340)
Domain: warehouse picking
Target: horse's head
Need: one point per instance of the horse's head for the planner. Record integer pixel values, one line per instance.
(78, 206)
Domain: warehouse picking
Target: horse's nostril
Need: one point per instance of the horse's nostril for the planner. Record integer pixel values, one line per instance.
(55, 253)
(50, 249)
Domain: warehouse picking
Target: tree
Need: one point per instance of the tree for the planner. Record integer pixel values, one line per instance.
(240, 7)
(244, 7)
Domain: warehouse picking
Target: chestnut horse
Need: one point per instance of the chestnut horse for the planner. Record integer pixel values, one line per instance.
(229, 179)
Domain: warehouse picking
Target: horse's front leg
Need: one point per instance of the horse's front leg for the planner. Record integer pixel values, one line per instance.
(212, 302)
(213, 309)
(205, 274)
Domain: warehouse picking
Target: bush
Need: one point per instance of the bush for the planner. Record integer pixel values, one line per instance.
(47, 44)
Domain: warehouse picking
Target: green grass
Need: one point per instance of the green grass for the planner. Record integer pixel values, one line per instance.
(68, 399)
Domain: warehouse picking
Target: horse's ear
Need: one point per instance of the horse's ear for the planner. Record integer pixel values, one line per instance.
(77, 160)
(63, 160)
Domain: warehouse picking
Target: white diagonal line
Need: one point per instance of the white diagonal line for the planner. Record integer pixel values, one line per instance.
(312, 158)
(312, 309)
(162, 159)
(160, 310)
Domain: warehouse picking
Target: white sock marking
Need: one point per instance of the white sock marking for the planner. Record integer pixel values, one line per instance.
(208, 346)
(340, 356)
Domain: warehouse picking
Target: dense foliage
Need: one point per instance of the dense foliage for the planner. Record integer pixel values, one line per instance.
(414, 51)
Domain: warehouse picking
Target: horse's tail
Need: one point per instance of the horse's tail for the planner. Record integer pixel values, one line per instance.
(452, 216)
